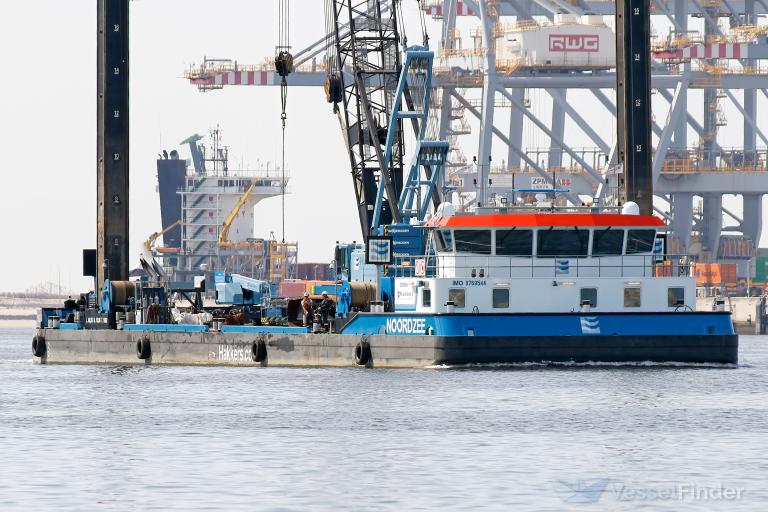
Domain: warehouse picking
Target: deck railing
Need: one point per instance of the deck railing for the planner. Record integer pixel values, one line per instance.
(557, 267)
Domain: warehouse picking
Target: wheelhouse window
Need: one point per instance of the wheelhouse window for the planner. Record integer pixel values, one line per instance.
(607, 242)
(514, 242)
(500, 297)
(476, 241)
(640, 240)
(632, 297)
(588, 294)
(439, 241)
(457, 296)
(562, 242)
(675, 297)
(447, 239)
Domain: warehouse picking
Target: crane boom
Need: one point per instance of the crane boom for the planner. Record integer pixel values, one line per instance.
(363, 101)
(150, 242)
(224, 234)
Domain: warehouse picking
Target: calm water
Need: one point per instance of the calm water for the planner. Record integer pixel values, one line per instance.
(617, 438)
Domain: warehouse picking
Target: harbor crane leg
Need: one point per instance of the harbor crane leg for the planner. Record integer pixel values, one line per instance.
(112, 142)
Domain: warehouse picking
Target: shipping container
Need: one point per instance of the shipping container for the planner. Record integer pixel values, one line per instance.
(316, 271)
(297, 288)
(761, 269)
(715, 274)
(567, 44)
(736, 247)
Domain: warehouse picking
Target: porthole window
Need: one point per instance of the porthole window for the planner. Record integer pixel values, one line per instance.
(589, 294)
(500, 298)
(457, 296)
(632, 297)
(675, 297)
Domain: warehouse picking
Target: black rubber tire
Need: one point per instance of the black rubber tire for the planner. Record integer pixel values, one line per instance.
(363, 353)
(259, 351)
(39, 347)
(143, 348)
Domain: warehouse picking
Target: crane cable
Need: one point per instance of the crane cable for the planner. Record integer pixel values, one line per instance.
(423, 19)
(333, 82)
(401, 22)
(398, 7)
(284, 67)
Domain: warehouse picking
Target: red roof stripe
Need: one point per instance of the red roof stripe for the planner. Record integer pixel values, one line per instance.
(545, 219)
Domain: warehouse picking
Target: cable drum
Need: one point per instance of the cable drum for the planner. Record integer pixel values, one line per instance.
(362, 294)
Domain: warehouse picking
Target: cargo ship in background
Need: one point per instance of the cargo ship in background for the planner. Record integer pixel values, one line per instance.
(207, 214)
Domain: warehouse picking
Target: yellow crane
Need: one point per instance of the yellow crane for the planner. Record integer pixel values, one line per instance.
(150, 242)
(147, 259)
(224, 234)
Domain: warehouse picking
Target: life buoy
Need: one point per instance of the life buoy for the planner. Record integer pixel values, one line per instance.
(143, 348)
(363, 353)
(39, 347)
(259, 351)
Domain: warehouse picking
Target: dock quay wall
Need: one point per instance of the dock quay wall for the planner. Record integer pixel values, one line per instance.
(748, 313)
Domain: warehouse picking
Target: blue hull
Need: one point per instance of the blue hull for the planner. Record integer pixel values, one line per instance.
(697, 349)
(542, 324)
(688, 337)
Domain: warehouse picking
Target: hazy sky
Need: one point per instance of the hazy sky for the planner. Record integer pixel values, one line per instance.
(48, 128)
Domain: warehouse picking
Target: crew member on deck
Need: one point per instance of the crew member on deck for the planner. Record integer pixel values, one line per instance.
(306, 308)
(327, 308)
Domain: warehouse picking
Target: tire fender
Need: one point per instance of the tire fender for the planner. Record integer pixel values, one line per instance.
(363, 354)
(144, 348)
(39, 347)
(259, 351)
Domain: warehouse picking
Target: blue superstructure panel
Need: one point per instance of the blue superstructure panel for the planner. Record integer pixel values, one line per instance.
(165, 327)
(45, 313)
